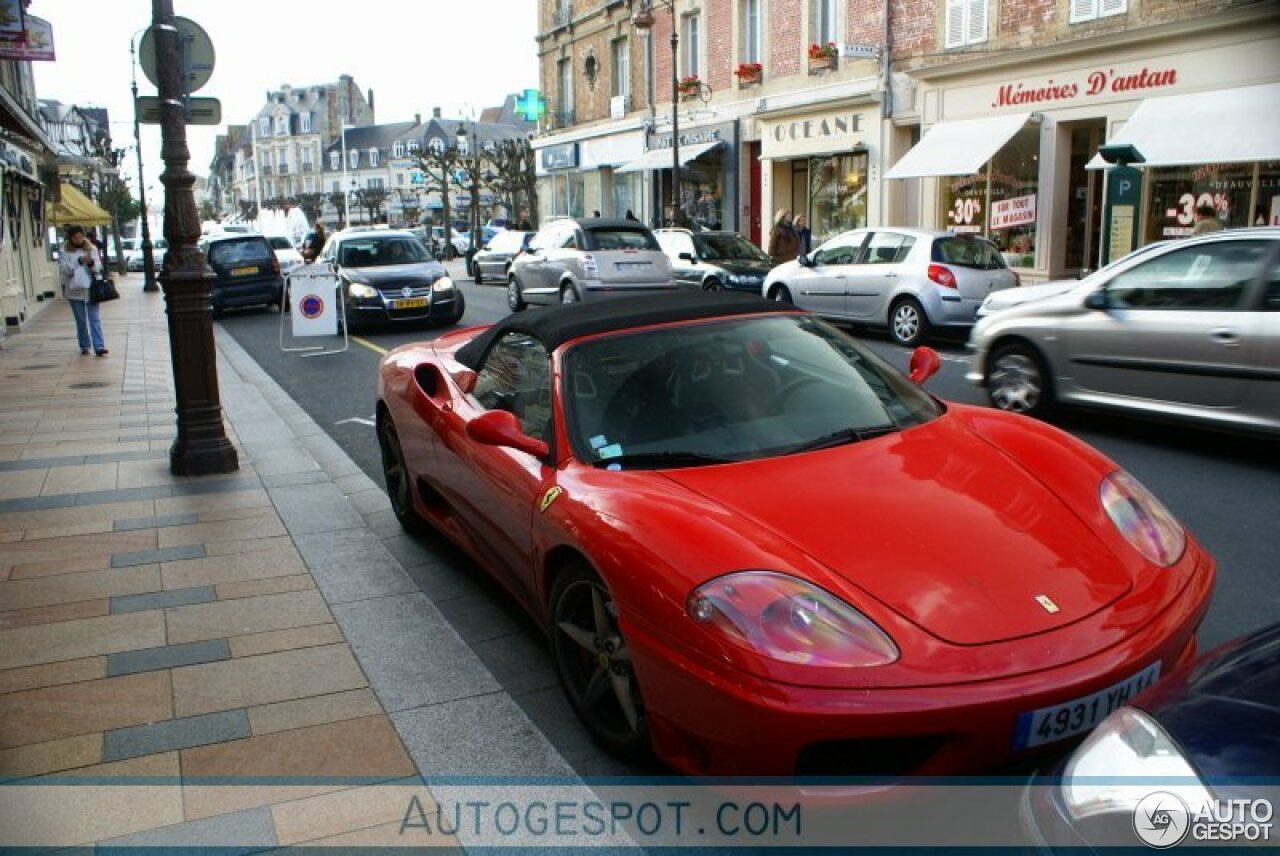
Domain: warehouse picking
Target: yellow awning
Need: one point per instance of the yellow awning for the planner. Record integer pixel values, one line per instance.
(76, 208)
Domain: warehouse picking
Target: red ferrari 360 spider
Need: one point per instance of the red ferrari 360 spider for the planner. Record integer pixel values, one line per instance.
(759, 549)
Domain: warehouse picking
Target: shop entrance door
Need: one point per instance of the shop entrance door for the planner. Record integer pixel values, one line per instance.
(753, 210)
(1084, 200)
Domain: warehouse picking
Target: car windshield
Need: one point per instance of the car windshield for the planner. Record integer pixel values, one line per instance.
(729, 248)
(730, 390)
(380, 251)
(247, 251)
(280, 243)
(968, 252)
(621, 238)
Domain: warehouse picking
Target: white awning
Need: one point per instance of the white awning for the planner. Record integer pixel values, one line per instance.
(958, 148)
(661, 158)
(1239, 125)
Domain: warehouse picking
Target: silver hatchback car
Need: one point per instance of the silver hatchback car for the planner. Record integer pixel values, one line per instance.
(583, 259)
(911, 279)
(1189, 330)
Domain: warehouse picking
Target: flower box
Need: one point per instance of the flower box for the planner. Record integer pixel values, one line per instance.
(822, 57)
(748, 73)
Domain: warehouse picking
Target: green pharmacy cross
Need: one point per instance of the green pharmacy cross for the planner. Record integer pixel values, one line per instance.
(530, 105)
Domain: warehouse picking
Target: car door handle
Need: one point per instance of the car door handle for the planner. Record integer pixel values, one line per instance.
(1225, 336)
(890, 275)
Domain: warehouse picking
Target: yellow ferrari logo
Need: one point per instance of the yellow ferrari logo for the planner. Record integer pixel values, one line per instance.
(552, 494)
(1045, 601)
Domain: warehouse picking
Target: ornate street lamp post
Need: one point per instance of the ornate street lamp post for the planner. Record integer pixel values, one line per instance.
(643, 20)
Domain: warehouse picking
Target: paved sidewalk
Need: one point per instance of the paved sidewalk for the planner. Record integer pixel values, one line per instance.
(247, 635)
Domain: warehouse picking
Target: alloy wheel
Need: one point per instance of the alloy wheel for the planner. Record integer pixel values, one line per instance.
(568, 294)
(515, 300)
(1015, 382)
(396, 475)
(907, 323)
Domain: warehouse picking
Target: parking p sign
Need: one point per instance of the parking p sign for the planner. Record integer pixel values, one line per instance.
(314, 294)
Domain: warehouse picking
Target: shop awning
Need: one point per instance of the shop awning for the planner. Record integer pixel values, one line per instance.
(1240, 125)
(958, 148)
(75, 207)
(661, 158)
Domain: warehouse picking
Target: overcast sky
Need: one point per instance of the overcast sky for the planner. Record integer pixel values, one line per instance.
(413, 54)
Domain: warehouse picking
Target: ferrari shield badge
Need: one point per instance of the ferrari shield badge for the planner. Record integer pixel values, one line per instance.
(552, 494)
(1042, 599)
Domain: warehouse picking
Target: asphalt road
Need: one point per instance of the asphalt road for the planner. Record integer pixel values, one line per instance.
(1225, 489)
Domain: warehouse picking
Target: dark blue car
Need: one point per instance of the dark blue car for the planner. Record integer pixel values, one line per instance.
(1208, 733)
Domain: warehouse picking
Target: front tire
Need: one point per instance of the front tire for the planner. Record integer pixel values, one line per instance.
(713, 284)
(399, 481)
(781, 294)
(1018, 382)
(908, 324)
(568, 294)
(594, 663)
(515, 300)
(476, 276)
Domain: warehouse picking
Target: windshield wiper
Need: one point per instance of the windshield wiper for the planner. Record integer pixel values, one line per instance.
(659, 460)
(843, 436)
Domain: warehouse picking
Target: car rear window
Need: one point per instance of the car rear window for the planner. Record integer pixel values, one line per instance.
(621, 238)
(280, 243)
(248, 251)
(968, 252)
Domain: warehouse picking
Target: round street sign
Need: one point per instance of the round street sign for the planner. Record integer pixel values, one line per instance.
(197, 54)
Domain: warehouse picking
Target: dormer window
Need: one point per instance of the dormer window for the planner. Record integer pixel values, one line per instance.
(353, 159)
(335, 161)
(264, 126)
(306, 123)
(414, 145)
(373, 157)
(397, 149)
(282, 126)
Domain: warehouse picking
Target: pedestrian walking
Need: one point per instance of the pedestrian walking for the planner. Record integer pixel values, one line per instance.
(784, 243)
(805, 234)
(525, 225)
(1206, 220)
(314, 243)
(630, 216)
(79, 263)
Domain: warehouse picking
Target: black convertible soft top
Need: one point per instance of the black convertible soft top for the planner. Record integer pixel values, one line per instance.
(555, 325)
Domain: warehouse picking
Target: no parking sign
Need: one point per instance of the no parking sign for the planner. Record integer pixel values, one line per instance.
(314, 292)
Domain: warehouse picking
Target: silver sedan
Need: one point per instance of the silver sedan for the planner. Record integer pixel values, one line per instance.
(1189, 330)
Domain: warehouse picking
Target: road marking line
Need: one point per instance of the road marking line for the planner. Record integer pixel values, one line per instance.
(370, 345)
(359, 419)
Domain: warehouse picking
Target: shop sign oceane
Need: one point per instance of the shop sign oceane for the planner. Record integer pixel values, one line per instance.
(820, 134)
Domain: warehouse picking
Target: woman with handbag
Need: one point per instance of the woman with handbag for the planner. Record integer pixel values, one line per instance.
(79, 264)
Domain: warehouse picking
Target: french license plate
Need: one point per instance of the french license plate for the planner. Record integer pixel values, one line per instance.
(410, 303)
(1060, 721)
(244, 271)
(633, 265)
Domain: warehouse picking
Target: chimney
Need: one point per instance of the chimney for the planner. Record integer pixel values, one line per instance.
(435, 112)
(370, 99)
(417, 118)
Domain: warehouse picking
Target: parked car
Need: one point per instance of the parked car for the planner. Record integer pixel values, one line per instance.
(1189, 330)
(127, 246)
(1202, 736)
(134, 261)
(914, 280)
(714, 261)
(495, 259)
(247, 271)
(387, 275)
(459, 243)
(761, 550)
(286, 254)
(570, 260)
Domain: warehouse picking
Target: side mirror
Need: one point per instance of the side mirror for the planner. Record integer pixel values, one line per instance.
(532, 250)
(465, 379)
(500, 428)
(687, 257)
(1097, 300)
(924, 364)
(804, 260)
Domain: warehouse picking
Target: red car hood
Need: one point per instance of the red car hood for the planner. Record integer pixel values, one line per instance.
(936, 523)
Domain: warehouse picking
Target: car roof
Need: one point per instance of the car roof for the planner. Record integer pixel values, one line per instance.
(553, 326)
(600, 222)
(222, 237)
(375, 233)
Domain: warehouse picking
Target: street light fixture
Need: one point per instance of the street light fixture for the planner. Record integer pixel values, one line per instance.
(643, 20)
(148, 258)
(468, 148)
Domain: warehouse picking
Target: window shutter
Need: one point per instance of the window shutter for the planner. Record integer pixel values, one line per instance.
(954, 37)
(1111, 7)
(976, 26)
(1083, 10)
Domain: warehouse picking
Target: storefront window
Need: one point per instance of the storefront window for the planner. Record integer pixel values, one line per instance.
(837, 195)
(1000, 199)
(1176, 193)
(626, 194)
(561, 194)
(700, 189)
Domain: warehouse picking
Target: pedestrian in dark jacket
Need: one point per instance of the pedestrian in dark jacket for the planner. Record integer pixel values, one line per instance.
(784, 242)
(805, 234)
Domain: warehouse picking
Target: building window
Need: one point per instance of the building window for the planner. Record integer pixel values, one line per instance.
(335, 160)
(397, 149)
(414, 145)
(966, 23)
(999, 201)
(375, 184)
(752, 35)
(282, 126)
(353, 159)
(692, 46)
(264, 126)
(399, 179)
(268, 189)
(305, 123)
(824, 22)
(621, 68)
(337, 187)
(373, 157)
(564, 92)
(1089, 10)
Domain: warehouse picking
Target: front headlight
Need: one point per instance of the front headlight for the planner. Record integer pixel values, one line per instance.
(359, 289)
(442, 284)
(789, 620)
(1142, 519)
(1127, 757)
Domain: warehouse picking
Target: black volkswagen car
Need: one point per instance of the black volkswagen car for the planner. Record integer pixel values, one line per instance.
(388, 275)
(714, 261)
(247, 271)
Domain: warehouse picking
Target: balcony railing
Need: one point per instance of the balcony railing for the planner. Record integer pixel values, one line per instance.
(266, 169)
(282, 169)
(308, 166)
(561, 16)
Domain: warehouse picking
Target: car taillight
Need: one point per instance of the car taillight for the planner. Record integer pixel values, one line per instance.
(942, 276)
